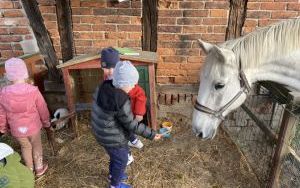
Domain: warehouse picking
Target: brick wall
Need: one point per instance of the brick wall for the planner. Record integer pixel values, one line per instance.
(14, 28)
(261, 13)
(98, 24)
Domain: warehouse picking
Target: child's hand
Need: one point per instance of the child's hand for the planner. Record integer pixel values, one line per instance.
(158, 136)
(139, 118)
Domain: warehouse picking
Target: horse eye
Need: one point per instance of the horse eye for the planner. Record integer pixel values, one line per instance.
(219, 86)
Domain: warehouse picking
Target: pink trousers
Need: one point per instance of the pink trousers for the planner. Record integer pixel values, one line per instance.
(32, 151)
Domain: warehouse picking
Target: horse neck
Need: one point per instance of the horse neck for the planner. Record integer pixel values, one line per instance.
(284, 71)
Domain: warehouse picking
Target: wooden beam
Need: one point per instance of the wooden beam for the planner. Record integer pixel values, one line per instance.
(237, 15)
(64, 20)
(149, 25)
(43, 39)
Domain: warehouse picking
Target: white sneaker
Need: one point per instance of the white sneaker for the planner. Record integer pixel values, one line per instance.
(130, 159)
(136, 144)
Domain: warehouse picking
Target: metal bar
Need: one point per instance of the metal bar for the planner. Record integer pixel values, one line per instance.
(273, 136)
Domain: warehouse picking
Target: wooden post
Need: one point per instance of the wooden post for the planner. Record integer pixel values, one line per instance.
(283, 143)
(64, 20)
(149, 25)
(237, 15)
(42, 37)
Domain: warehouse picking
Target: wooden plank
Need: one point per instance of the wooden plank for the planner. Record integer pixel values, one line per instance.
(43, 39)
(237, 15)
(64, 21)
(149, 25)
(273, 136)
(145, 57)
(153, 103)
(286, 129)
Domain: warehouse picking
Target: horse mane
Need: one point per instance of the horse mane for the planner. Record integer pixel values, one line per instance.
(266, 44)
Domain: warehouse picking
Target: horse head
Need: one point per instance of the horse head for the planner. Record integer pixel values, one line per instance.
(223, 88)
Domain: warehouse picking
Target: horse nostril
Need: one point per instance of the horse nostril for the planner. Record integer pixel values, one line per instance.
(200, 135)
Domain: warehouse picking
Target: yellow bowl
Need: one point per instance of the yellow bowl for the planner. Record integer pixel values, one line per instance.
(167, 124)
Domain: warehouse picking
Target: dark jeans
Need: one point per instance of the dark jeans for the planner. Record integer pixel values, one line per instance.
(118, 162)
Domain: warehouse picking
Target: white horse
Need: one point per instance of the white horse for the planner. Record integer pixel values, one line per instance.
(271, 53)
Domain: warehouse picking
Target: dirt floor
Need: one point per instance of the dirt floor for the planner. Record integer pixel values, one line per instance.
(182, 161)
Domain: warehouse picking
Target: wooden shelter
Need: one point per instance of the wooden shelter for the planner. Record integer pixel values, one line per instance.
(82, 75)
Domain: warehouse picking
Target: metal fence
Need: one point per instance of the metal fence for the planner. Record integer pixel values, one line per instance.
(266, 129)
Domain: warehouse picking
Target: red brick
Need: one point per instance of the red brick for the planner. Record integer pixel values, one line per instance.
(293, 6)
(136, 4)
(104, 27)
(168, 66)
(93, 3)
(286, 0)
(195, 13)
(51, 25)
(92, 20)
(17, 46)
(171, 72)
(253, 6)
(168, 44)
(250, 23)
(167, 36)
(168, 5)
(75, 3)
(193, 37)
(6, 5)
(165, 51)
(135, 20)
(118, 19)
(166, 21)
(132, 28)
(19, 30)
(98, 35)
(82, 27)
(216, 5)
(185, 80)
(219, 29)
(111, 11)
(169, 29)
(163, 80)
(130, 43)
(46, 2)
(115, 35)
(194, 29)
(283, 15)
(5, 46)
(273, 6)
(189, 21)
(248, 30)
(191, 5)
(83, 35)
(10, 38)
(192, 66)
(49, 17)
(170, 13)
(194, 59)
(104, 43)
(13, 13)
(4, 31)
(188, 52)
(83, 43)
(82, 11)
(266, 22)
(47, 9)
(218, 13)
(76, 19)
(174, 59)
(215, 21)
(134, 35)
(258, 14)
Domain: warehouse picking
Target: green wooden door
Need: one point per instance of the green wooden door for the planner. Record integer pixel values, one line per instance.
(144, 79)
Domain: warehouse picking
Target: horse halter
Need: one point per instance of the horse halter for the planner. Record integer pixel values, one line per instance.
(245, 88)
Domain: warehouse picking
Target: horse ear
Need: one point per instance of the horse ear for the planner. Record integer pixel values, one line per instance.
(219, 53)
(206, 47)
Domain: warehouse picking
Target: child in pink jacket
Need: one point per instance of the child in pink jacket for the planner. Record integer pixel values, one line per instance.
(23, 112)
